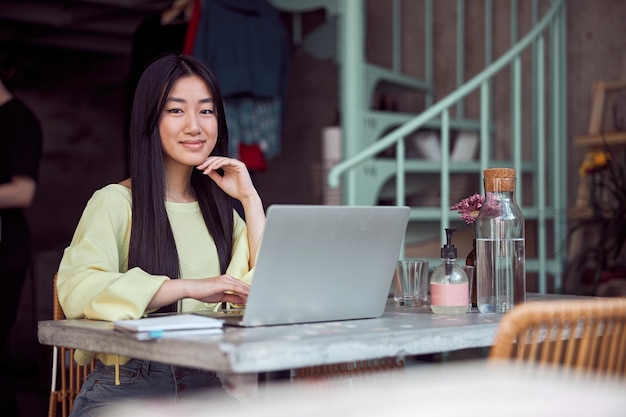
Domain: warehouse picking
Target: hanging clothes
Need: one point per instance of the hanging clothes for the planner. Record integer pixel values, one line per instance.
(245, 43)
(255, 122)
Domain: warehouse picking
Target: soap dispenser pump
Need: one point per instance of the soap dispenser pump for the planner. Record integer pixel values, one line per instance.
(449, 286)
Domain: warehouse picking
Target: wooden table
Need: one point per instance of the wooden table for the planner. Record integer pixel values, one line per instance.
(401, 331)
(241, 354)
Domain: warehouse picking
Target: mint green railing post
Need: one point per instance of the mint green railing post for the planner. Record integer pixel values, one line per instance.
(485, 138)
(561, 206)
(460, 53)
(445, 173)
(485, 96)
(428, 50)
(516, 124)
(516, 104)
(401, 184)
(400, 173)
(352, 81)
(541, 181)
(536, 93)
(559, 140)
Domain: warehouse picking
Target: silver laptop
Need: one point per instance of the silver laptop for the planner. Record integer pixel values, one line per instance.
(323, 263)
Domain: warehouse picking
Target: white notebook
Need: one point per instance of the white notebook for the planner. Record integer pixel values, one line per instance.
(176, 325)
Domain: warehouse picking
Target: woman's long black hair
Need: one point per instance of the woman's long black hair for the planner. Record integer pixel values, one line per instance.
(152, 246)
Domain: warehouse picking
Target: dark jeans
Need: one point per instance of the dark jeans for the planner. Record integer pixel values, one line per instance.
(143, 380)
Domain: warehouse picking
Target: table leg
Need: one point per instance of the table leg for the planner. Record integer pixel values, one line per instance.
(243, 387)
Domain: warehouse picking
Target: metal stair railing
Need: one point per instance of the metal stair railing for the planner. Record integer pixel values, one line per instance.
(544, 207)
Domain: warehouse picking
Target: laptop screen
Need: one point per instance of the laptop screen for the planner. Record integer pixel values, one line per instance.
(325, 263)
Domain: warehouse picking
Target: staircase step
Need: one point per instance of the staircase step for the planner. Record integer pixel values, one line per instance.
(388, 118)
(375, 74)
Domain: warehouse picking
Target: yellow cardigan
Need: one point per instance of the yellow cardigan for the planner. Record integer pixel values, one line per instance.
(93, 277)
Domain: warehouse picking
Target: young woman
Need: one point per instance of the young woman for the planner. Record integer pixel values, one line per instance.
(167, 238)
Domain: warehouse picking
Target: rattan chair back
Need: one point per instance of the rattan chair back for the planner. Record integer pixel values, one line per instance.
(585, 335)
(67, 375)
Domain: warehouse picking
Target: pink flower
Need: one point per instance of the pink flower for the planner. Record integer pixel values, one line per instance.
(469, 207)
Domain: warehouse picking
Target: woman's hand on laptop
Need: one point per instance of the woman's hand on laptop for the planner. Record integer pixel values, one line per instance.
(224, 288)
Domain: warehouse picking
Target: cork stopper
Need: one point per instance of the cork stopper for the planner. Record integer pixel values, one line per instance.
(499, 179)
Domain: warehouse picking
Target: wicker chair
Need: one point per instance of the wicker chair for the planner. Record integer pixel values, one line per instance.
(68, 374)
(583, 335)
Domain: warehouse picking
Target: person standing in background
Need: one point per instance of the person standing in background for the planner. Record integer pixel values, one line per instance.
(20, 153)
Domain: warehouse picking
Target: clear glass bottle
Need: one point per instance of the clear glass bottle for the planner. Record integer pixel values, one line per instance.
(500, 245)
(449, 288)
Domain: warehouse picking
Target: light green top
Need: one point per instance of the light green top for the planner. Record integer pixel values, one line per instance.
(93, 277)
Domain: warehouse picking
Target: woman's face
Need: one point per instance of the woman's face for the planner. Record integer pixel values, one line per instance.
(188, 124)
